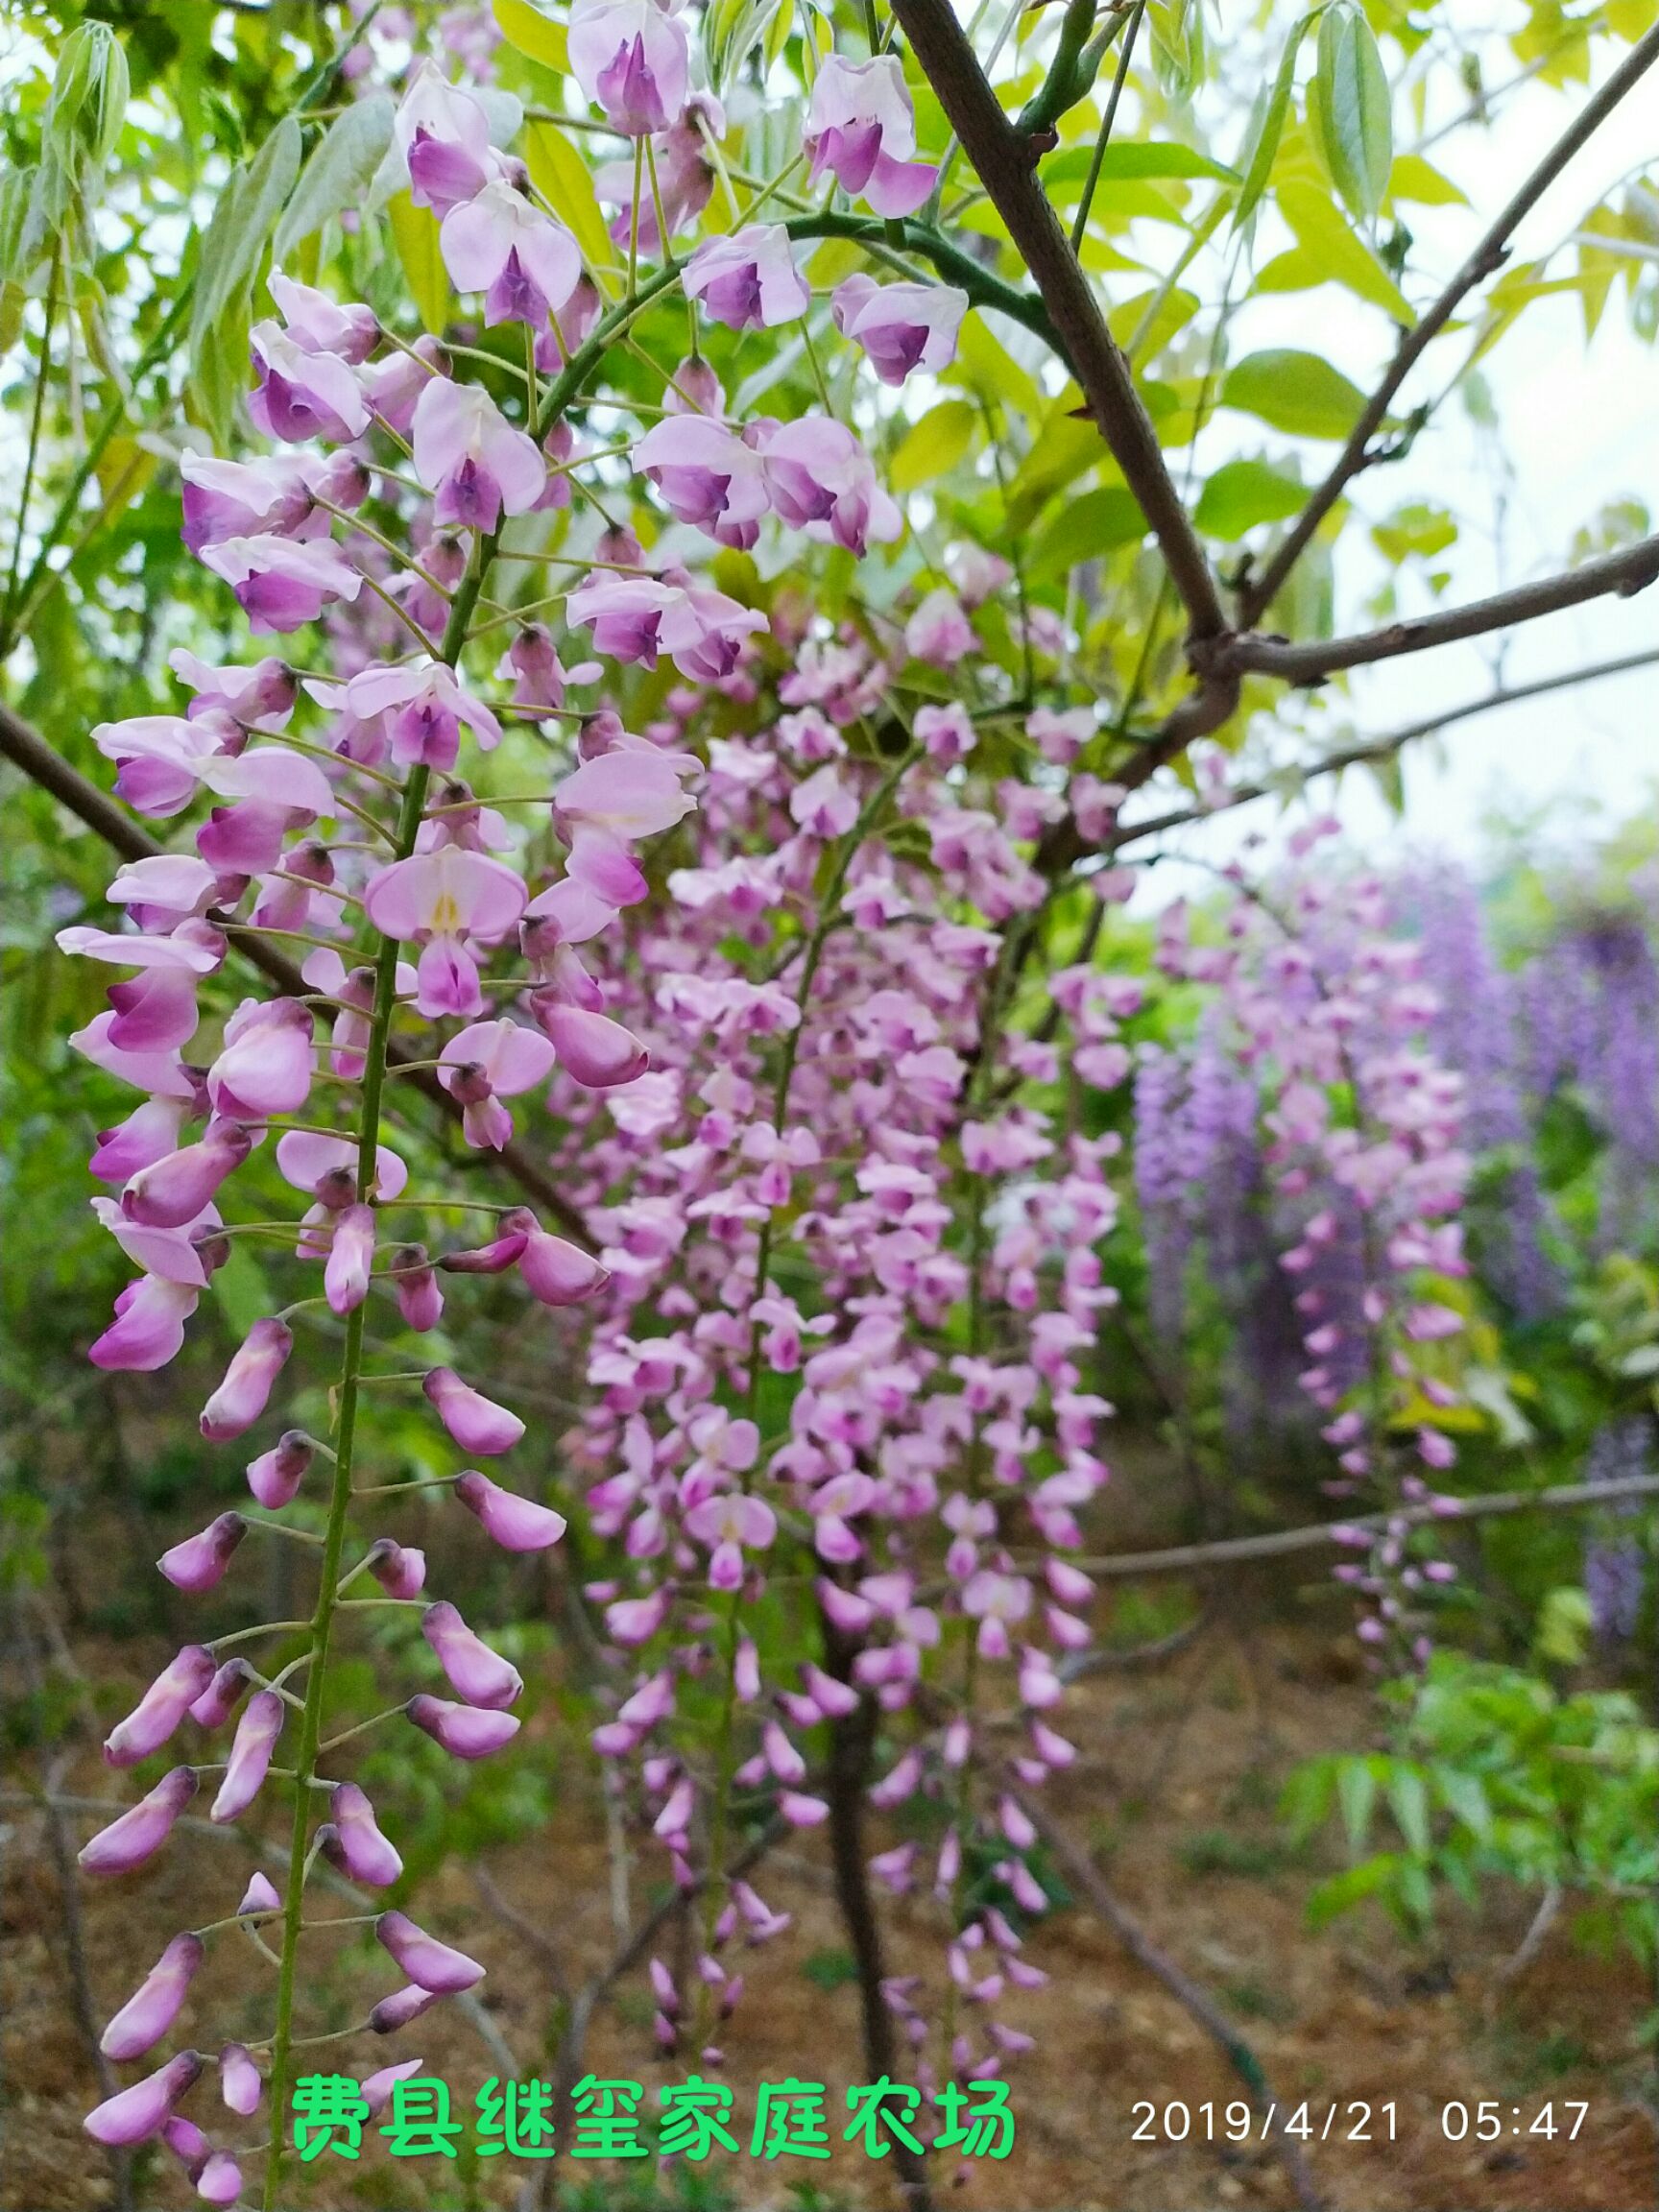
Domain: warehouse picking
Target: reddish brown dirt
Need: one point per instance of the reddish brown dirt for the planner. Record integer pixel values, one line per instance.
(1175, 1791)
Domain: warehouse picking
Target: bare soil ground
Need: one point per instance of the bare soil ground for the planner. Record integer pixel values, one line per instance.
(1175, 1792)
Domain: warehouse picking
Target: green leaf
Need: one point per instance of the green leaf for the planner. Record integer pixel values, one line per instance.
(1342, 259)
(1351, 1887)
(528, 30)
(1084, 529)
(1126, 159)
(1463, 1795)
(232, 252)
(1411, 177)
(89, 93)
(1242, 493)
(1296, 392)
(1267, 125)
(1416, 528)
(932, 446)
(414, 234)
(561, 177)
(246, 214)
(1354, 111)
(339, 173)
(1409, 1802)
(1357, 1795)
(732, 30)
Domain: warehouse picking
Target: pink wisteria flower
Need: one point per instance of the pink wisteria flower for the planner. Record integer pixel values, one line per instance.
(526, 265)
(632, 58)
(900, 326)
(861, 126)
(486, 1062)
(685, 176)
(708, 475)
(302, 395)
(415, 714)
(748, 280)
(822, 481)
(442, 902)
(444, 136)
(731, 1523)
(476, 462)
(281, 583)
(636, 617)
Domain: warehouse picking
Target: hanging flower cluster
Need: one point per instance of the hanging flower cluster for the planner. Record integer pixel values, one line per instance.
(844, 1352)
(1312, 1095)
(334, 826)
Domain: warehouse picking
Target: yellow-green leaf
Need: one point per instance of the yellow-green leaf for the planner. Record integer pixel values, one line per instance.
(561, 177)
(932, 446)
(1347, 260)
(984, 365)
(1411, 177)
(534, 36)
(1297, 393)
(414, 234)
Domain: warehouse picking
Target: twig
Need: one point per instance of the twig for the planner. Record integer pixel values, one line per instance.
(1488, 256)
(1002, 159)
(1532, 1943)
(1620, 574)
(1081, 1871)
(1374, 749)
(1185, 1558)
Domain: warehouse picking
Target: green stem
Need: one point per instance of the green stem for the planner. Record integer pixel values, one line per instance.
(1080, 223)
(37, 419)
(335, 1536)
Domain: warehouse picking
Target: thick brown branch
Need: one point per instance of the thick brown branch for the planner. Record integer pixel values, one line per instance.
(1620, 574)
(1235, 1550)
(1004, 163)
(1487, 258)
(26, 749)
(851, 1739)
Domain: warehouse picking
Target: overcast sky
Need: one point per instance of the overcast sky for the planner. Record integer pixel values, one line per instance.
(1581, 426)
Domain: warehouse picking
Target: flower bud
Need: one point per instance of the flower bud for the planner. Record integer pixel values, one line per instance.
(218, 1701)
(492, 1259)
(354, 1843)
(199, 1561)
(434, 1965)
(420, 1300)
(254, 1741)
(516, 1524)
(350, 1258)
(558, 1272)
(464, 1731)
(476, 1423)
(275, 1476)
(175, 1189)
(219, 2180)
(242, 1397)
(376, 2089)
(153, 2005)
(259, 1896)
(398, 1568)
(397, 2010)
(134, 2115)
(240, 2082)
(161, 1708)
(480, 1676)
